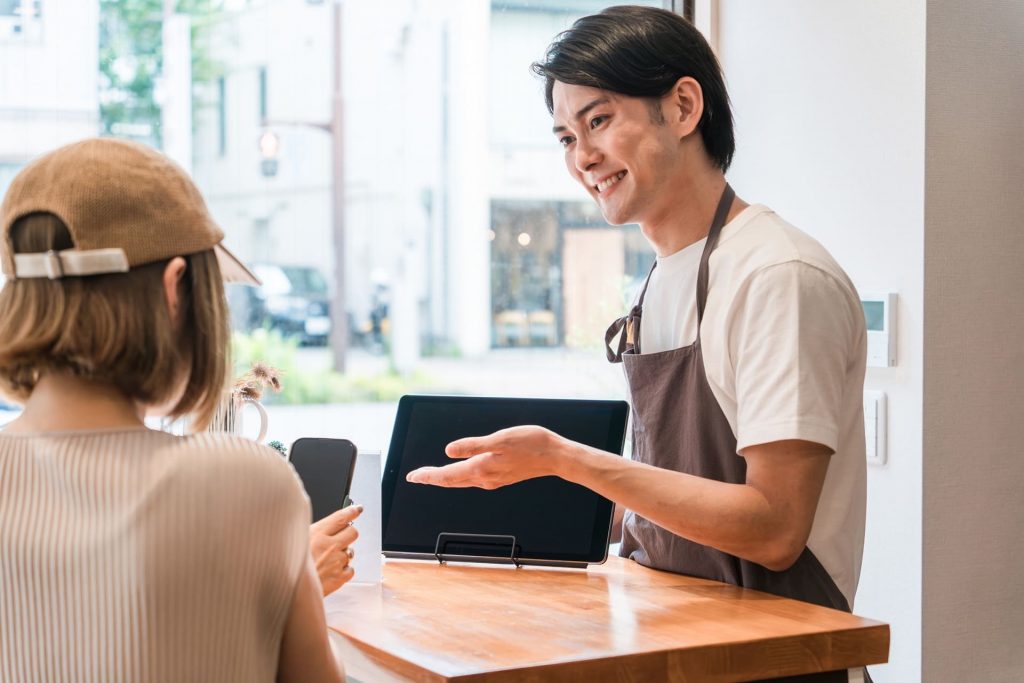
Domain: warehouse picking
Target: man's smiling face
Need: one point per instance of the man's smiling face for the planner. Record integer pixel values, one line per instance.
(618, 148)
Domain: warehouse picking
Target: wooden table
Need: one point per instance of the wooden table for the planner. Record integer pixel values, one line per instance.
(615, 622)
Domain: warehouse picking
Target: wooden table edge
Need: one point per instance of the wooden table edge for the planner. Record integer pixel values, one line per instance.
(713, 663)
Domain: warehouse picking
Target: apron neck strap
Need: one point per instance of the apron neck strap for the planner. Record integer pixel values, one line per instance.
(647, 281)
(627, 328)
(724, 204)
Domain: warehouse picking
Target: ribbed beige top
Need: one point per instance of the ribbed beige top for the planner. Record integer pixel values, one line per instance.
(136, 555)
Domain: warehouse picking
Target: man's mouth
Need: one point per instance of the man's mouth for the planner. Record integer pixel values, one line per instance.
(609, 181)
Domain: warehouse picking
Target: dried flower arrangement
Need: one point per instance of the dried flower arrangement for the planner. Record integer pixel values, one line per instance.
(250, 385)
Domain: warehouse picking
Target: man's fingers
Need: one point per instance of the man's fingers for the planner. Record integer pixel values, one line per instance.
(339, 520)
(451, 476)
(470, 446)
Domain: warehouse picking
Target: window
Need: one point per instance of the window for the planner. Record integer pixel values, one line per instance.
(20, 19)
(7, 173)
(222, 117)
(262, 76)
(472, 262)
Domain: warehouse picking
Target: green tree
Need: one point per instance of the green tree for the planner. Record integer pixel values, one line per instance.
(131, 61)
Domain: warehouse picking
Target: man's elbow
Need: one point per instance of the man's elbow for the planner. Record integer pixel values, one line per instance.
(780, 553)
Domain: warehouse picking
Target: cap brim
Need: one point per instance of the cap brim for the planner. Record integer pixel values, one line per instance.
(232, 269)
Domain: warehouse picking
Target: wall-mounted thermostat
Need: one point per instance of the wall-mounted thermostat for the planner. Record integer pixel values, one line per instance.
(880, 315)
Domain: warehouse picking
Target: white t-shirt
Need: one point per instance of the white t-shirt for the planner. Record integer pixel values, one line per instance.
(785, 349)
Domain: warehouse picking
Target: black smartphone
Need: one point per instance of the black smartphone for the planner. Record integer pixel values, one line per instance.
(325, 467)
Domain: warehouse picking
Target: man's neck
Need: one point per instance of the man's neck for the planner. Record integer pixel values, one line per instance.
(687, 218)
(62, 402)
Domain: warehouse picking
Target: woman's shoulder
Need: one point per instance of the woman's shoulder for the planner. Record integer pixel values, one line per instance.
(222, 445)
(220, 469)
(231, 488)
(219, 458)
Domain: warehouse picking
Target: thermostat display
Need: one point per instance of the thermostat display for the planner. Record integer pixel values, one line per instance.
(880, 318)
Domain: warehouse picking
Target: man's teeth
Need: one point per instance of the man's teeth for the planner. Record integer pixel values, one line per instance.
(608, 182)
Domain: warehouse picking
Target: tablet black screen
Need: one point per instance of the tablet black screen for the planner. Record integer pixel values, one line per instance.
(552, 519)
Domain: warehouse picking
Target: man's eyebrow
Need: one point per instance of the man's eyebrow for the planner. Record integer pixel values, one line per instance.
(597, 102)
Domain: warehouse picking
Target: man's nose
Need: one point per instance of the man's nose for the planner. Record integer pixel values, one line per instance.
(587, 155)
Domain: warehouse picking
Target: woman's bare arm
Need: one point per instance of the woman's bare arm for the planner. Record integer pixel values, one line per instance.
(306, 655)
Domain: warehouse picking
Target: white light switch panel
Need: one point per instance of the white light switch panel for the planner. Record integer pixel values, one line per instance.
(875, 427)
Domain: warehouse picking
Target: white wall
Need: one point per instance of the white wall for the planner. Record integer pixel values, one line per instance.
(829, 105)
(974, 360)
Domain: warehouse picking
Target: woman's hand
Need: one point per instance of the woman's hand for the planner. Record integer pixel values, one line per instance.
(330, 541)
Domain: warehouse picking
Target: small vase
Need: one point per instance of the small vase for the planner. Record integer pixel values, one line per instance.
(230, 416)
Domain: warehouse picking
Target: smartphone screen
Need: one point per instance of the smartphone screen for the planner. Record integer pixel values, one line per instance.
(325, 467)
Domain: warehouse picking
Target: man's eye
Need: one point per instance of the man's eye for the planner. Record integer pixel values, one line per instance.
(565, 141)
(597, 121)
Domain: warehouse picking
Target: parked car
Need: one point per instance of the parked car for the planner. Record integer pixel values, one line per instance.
(292, 299)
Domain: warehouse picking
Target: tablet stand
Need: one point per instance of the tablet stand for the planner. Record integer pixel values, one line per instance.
(473, 544)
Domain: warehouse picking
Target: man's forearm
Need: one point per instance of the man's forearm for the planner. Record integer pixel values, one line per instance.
(766, 519)
(734, 518)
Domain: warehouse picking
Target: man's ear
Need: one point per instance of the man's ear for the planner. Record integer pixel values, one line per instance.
(683, 106)
(173, 273)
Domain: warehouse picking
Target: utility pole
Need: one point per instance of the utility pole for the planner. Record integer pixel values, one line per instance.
(336, 129)
(339, 310)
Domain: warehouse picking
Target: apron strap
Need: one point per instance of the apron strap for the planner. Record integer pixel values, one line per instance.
(627, 327)
(724, 204)
(647, 281)
(616, 328)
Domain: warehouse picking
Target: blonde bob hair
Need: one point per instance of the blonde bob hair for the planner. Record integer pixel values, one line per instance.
(116, 328)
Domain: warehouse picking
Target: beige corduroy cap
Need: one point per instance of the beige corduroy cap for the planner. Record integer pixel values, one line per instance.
(124, 204)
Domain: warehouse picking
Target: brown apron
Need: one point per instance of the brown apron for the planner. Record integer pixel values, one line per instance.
(679, 426)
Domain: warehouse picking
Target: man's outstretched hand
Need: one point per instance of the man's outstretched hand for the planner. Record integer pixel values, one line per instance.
(499, 459)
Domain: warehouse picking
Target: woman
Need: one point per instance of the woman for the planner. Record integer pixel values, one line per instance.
(128, 554)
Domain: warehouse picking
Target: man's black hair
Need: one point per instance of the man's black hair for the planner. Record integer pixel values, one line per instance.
(642, 52)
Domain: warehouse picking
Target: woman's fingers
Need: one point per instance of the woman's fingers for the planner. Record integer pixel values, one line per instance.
(338, 520)
(345, 538)
(337, 571)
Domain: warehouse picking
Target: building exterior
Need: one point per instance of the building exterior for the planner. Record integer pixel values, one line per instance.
(48, 78)
(458, 211)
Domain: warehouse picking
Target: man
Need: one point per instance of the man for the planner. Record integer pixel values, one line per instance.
(744, 354)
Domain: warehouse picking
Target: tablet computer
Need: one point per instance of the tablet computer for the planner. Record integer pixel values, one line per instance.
(543, 521)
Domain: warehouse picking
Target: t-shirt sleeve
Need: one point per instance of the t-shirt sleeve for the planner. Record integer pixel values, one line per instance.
(791, 344)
